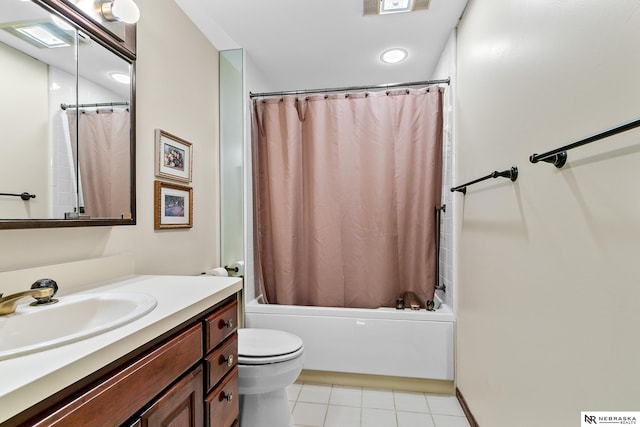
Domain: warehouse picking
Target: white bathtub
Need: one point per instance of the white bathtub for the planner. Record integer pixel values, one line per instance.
(384, 341)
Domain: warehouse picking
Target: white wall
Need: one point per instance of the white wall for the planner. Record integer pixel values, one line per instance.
(548, 266)
(177, 91)
(254, 82)
(446, 69)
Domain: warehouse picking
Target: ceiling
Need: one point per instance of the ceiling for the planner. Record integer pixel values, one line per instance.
(299, 44)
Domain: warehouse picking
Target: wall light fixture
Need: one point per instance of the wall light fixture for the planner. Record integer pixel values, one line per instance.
(120, 10)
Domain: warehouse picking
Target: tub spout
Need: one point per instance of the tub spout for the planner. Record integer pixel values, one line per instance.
(411, 300)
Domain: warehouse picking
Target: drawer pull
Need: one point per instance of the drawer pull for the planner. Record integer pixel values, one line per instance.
(227, 396)
(228, 324)
(229, 360)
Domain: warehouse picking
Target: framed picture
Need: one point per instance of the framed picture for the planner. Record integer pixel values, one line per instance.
(173, 206)
(173, 157)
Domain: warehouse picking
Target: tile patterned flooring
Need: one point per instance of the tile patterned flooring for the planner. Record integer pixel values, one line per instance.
(322, 405)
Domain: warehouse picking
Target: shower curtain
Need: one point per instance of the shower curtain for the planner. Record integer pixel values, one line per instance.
(103, 155)
(345, 187)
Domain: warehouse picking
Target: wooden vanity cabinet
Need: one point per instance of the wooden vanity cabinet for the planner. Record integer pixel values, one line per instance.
(179, 406)
(188, 378)
(221, 371)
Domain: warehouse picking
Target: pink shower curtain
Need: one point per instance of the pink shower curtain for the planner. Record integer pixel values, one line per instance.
(345, 190)
(104, 159)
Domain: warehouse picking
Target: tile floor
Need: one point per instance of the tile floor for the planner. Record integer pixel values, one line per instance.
(321, 405)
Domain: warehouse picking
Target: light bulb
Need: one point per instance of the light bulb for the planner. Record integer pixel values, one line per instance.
(393, 56)
(126, 11)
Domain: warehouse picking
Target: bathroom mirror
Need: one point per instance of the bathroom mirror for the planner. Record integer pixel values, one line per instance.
(67, 119)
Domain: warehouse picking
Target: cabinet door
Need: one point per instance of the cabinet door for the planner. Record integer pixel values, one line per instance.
(221, 405)
(180, 406)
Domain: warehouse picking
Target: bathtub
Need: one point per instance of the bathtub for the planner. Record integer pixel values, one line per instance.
(383, 341)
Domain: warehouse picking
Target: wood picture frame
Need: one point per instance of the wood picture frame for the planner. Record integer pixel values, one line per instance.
(174, 157)
(173, 206)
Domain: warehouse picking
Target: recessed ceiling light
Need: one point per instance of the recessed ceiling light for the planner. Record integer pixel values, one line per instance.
(386, 7)
(395, 6)
(393, 56)
(121, 78)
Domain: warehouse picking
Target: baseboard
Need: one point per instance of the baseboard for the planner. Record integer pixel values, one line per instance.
(378, 381)
(465, 408)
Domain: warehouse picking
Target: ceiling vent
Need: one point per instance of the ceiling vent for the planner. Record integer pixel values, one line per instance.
(384, 7)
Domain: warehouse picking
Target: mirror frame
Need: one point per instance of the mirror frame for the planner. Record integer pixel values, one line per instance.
(125, 49)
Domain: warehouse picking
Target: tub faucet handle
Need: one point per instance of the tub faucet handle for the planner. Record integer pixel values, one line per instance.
(430, 305)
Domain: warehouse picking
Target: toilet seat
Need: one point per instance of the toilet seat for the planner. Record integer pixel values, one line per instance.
(266, 346)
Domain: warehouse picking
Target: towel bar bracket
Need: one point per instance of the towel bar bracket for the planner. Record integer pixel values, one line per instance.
(512, 174)
(558, 159)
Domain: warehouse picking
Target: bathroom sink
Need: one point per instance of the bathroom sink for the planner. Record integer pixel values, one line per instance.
(74, 317)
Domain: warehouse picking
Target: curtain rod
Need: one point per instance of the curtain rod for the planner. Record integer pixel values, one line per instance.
(94, 105)
(350, 88)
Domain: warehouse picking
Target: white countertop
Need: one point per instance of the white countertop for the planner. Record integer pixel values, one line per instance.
(26, 380)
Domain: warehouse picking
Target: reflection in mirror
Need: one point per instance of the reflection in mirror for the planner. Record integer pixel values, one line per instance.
(231, 156)
(30, 40)
(101, 143)
(66, 125)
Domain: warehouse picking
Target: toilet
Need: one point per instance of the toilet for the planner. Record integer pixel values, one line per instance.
(268, 362)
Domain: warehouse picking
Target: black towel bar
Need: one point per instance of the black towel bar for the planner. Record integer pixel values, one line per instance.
(512, 174)
(23, 196)
(559, 156)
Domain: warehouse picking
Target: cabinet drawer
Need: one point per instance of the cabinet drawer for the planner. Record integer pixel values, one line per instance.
(221, 405)
(220, 325)
(221, 361)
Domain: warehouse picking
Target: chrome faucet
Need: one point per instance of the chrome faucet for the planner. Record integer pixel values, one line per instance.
(43, 290)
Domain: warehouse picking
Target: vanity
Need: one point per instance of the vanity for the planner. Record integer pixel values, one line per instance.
(175, 365)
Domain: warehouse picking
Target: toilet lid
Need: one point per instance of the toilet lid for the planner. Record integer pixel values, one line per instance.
(260, 346)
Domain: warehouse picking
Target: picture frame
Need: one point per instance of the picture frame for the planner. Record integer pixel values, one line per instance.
(173, 206)
(174, 157)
